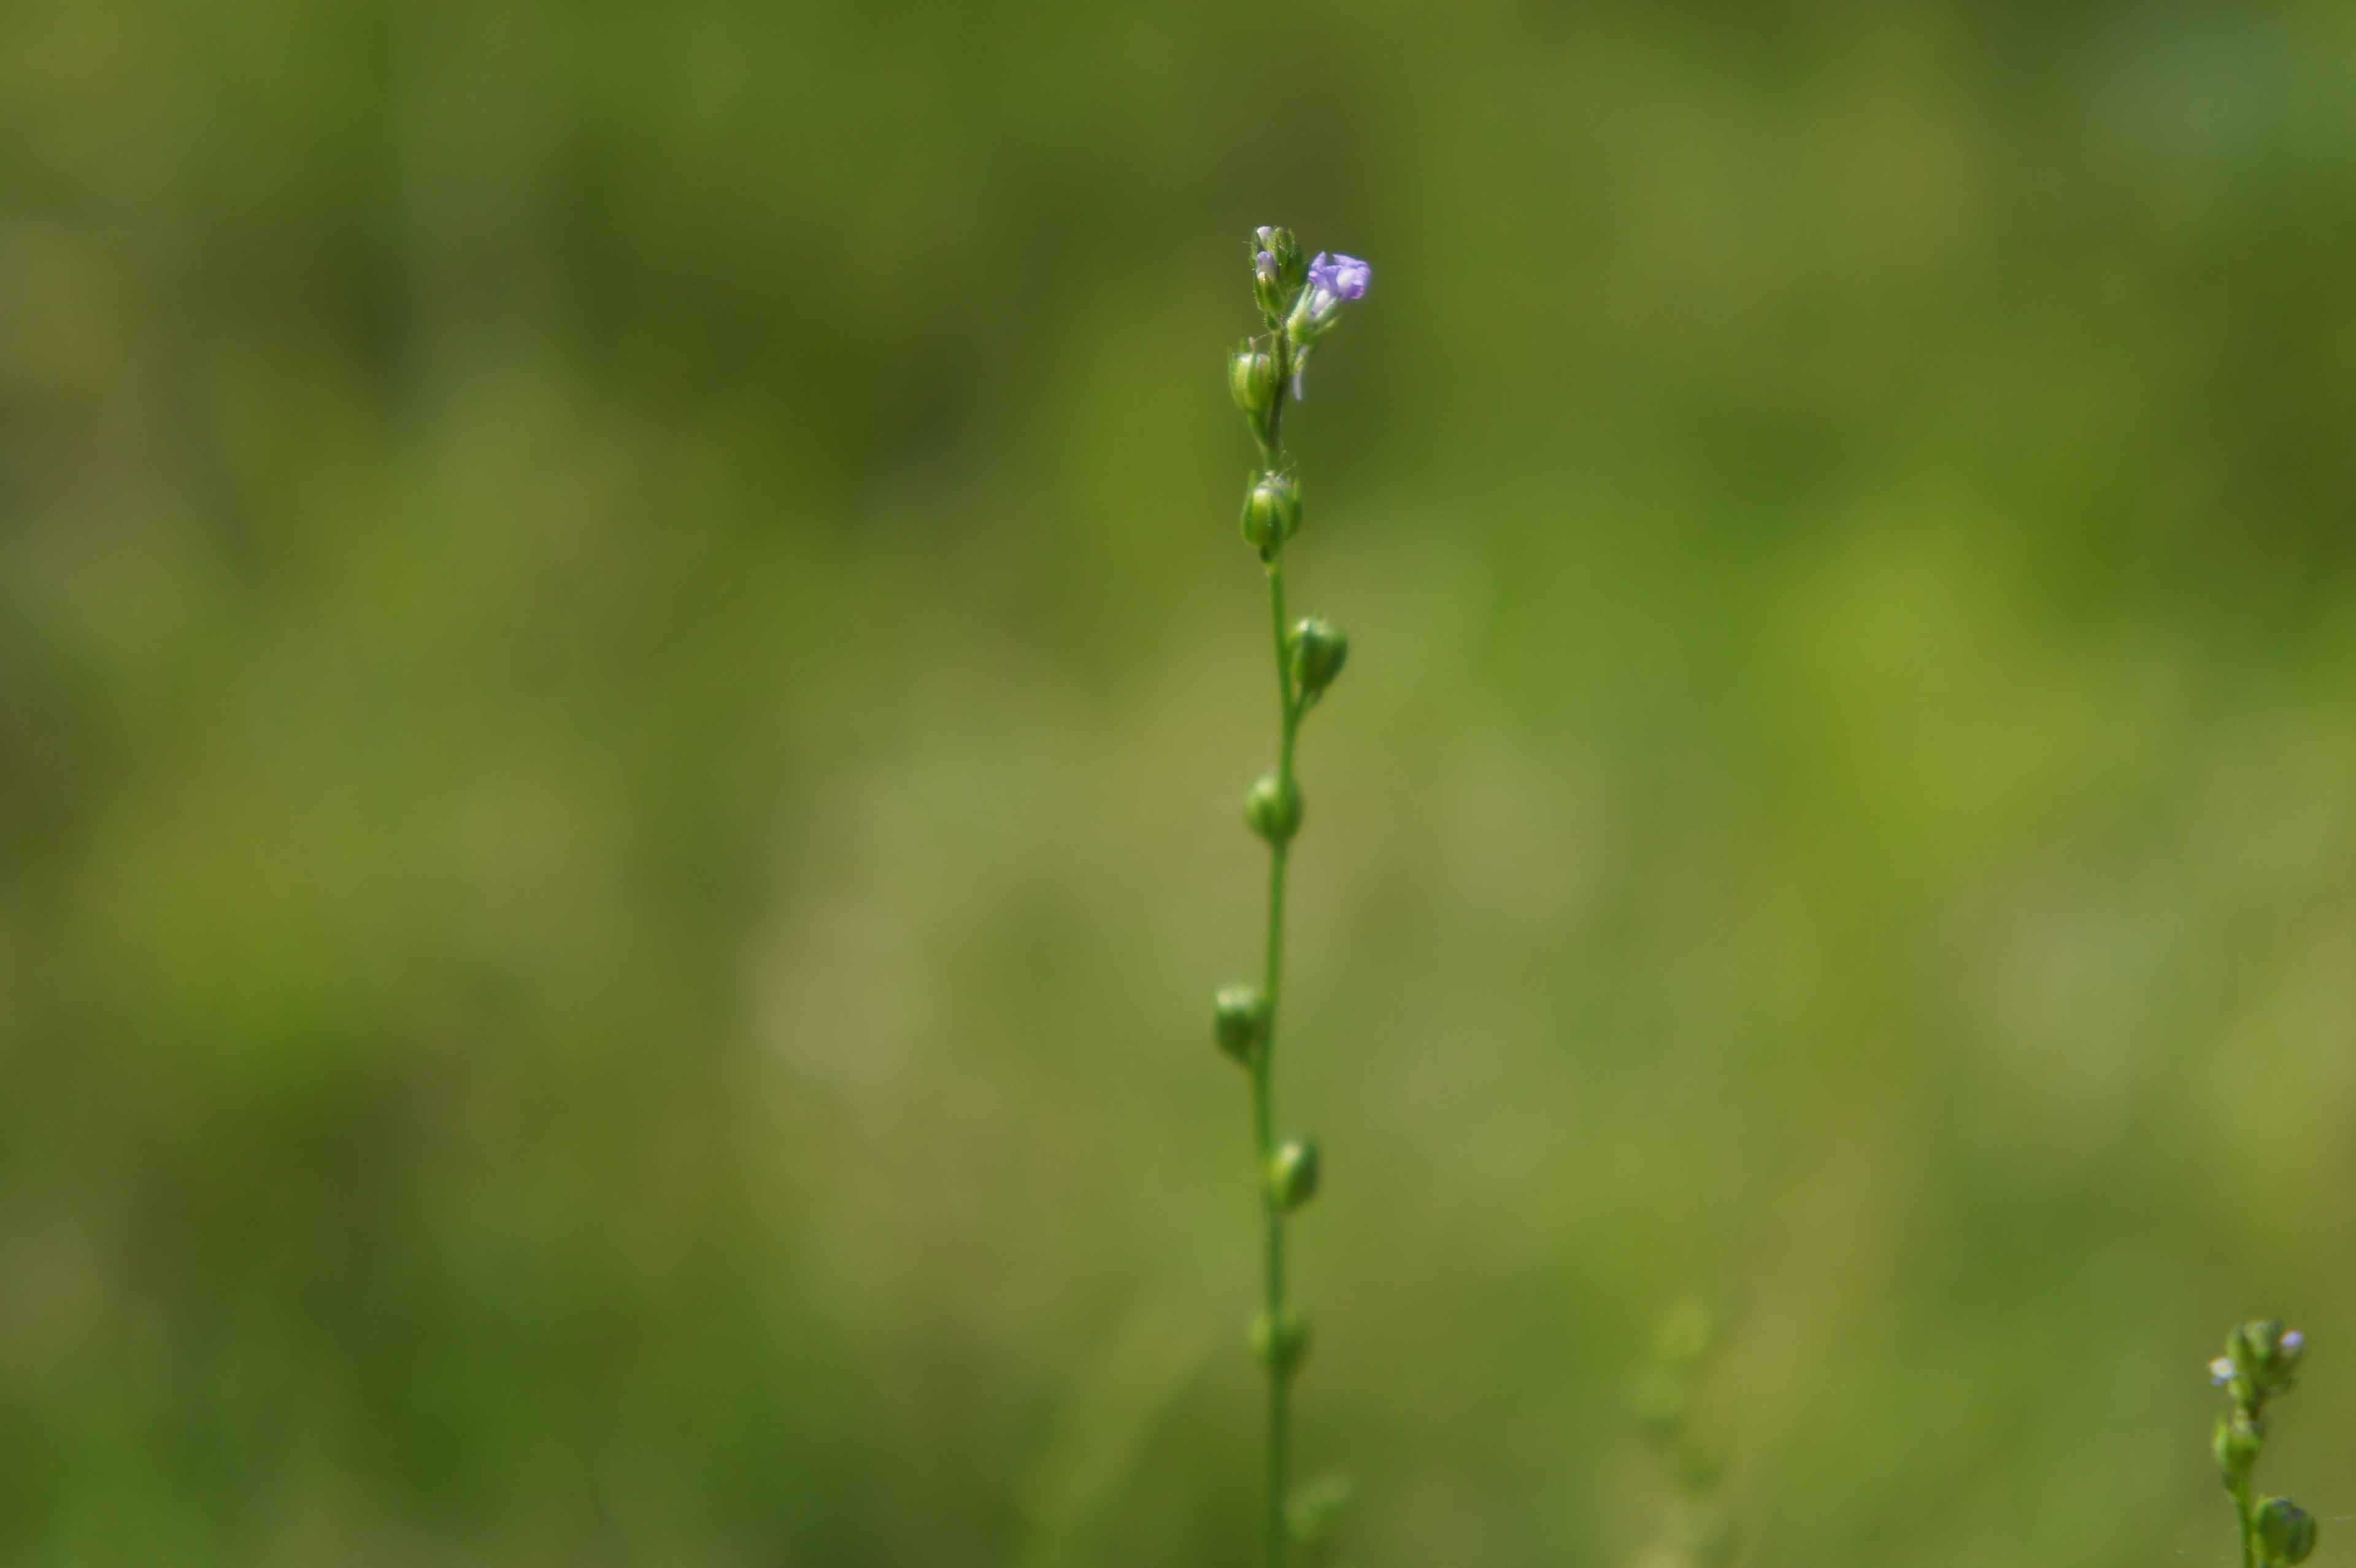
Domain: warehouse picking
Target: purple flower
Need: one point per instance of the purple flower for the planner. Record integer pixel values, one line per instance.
(2221, 1371)
(2292, 1341)
(1343, 277)
(1264, 264)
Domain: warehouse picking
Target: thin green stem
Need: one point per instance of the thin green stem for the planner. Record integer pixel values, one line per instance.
(2247, 1515)
(1280, 1369)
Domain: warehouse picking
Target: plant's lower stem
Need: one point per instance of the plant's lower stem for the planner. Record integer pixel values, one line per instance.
(2249, 1526)
(1280, 1368)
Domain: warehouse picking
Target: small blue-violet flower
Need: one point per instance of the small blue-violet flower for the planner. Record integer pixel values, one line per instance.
(1343, 277)
(2292, 1341)
(1333, 280)
(2220, 1372)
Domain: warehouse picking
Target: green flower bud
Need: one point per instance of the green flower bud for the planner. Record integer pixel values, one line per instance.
(1293, 1173)
(1272, 512)
(2236, 1446)
(1280, 267)
(1319, 649)
(1272, 806)
(2285, 1531)
(1240, 1022)
(1280, 1343)
(1252, 380)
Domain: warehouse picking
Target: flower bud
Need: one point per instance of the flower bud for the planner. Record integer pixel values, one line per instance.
(1293, 1173)
(2264, 1355)
(1273, 806)
(2286, 1533)
(1279, 268)
(1281, 1342)
(1240, 1022)
(1251, 379)
(1272, 512)
(1313, 313)
(1267, 286)
(2236, 1445)
(1319, 649)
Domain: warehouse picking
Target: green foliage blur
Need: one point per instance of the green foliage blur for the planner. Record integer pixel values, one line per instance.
(625, 672)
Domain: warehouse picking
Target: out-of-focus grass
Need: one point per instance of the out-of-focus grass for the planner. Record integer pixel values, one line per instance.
(624, 672)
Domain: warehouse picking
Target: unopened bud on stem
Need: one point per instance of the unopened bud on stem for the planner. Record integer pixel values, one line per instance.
(2264, 1357)
(1293, 1173)
(1318, 649)
(1281, 1340)
(1240, 1022)
(2236, 1446)
(1271, 513)
(1273, 806)
(2286, 1533)
(1279, 268)
(1252, 381)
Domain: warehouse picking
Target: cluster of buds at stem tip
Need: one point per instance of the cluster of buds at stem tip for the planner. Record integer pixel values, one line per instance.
(1279, 271)
(1300, 301)
(2261, 1362)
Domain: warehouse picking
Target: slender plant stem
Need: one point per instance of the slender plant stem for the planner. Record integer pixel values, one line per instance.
(2242, 1509)
(1280, 1368)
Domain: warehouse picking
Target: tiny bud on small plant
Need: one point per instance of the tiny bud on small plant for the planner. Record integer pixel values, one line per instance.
(1292, 1174)
(1319, 649)
(1281, 1340)
(1271, 513)
(2236, 1446)
(2285, 1531)
(1279, 268)
(1272, 806)
(1253, 382)
(1240, 1022)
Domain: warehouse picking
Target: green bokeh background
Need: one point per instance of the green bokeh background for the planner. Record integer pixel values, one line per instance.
(625, 671)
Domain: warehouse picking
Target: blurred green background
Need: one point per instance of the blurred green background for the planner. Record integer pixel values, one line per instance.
(625, 671)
